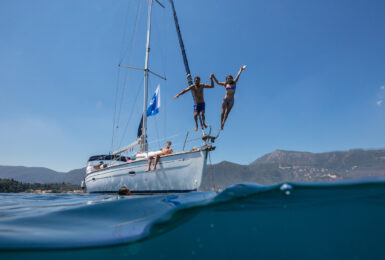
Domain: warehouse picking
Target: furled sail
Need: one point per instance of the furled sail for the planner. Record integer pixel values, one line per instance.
(185, 61)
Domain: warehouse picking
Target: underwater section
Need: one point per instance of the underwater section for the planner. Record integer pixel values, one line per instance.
(343, 220)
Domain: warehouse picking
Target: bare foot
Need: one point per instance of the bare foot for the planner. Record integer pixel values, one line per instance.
(205, 126)
(154, 169)
(147, 170)
(196, 128)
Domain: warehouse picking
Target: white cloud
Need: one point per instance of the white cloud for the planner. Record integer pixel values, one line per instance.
(380, 96)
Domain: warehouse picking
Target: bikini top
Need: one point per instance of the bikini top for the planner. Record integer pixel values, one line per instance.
(231, 87)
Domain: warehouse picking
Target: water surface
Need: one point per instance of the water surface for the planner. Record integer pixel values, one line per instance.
(343, 220)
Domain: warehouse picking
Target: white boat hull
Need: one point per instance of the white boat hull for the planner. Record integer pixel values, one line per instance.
(180, 172)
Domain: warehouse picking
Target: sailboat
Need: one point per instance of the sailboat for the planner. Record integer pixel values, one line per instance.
(177, 172)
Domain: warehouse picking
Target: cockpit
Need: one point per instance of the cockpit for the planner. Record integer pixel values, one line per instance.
(98, 162)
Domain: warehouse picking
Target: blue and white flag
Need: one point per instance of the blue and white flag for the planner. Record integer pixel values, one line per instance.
(154, 106)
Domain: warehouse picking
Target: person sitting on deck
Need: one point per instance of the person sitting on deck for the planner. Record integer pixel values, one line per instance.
(199, 101)
(163, 151)
(101, 165)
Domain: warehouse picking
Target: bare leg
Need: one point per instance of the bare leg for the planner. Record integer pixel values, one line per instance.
(229, 107)
(149, 163)
(224, 106)
(156, 162)
(196, 120)
(203, 119)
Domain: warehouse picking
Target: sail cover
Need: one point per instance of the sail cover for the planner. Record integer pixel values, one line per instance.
(140, 132)
(108, 157)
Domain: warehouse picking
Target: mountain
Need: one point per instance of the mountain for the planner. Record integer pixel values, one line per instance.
(75, 176)
(292, 166)
(336, 160)
(224, 174)
(40, 175)
(350, 164)
(276, 167)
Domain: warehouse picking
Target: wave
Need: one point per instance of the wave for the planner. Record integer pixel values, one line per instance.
(58, 222)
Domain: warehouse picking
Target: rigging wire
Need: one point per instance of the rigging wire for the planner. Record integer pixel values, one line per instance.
(122, 48)
(123, 51)
(123, 90)
(156, 118)
(157, 133)
(164, 62)
(160, 27)
(165, 138)
(114, 117)
(131, 48)
(131, 112)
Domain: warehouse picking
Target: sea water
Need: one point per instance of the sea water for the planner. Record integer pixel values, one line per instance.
(285, 221)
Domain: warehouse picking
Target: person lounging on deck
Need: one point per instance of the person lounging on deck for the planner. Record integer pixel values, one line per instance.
(163, 151)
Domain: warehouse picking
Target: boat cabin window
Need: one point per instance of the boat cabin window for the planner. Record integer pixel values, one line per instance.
(99, 162)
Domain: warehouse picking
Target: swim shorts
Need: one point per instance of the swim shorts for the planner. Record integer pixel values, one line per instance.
(199, 107)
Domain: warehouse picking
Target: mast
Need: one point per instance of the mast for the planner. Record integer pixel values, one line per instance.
(141, 139)
(144, 147)
(185, 61)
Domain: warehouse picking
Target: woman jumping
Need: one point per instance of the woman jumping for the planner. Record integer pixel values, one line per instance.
(228, 101)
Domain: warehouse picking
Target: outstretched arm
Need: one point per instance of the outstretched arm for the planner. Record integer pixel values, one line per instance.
(239, 73)
(219, 83)
(211, 84)
(183, 91)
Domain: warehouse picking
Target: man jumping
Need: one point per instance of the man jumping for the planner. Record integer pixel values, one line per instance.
(199, 101)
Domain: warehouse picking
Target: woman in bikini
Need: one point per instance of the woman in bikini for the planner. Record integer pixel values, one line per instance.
(228, 101)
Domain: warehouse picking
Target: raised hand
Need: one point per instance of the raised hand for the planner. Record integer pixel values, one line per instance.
(243, 67)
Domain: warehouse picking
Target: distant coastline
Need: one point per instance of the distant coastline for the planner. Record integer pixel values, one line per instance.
(276, 167)
(12, 186)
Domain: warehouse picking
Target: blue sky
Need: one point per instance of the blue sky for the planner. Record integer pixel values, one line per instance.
(314, 81)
